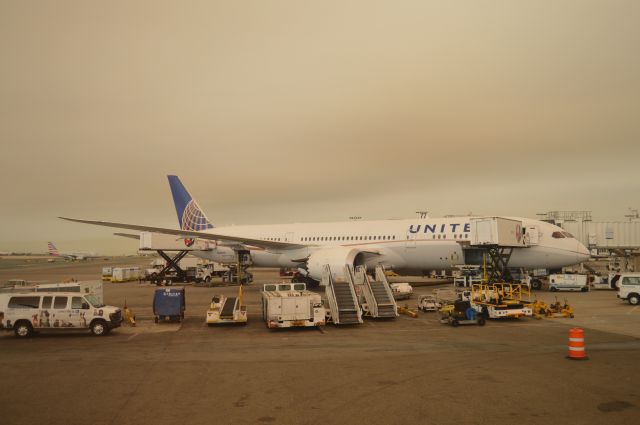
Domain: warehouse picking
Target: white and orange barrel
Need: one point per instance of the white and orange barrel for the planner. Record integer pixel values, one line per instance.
(576, 345)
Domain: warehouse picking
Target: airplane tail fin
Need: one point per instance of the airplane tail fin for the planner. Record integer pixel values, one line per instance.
(53, 251)
(190, 215)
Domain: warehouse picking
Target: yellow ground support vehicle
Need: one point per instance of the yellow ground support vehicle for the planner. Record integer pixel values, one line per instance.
(502, 300)
(554, 310)
(460, 313)
(225, 309)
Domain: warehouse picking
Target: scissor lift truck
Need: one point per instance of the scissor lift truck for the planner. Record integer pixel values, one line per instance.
(225, 309)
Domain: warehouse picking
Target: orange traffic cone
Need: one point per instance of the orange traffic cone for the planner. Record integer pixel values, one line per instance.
(576, 345)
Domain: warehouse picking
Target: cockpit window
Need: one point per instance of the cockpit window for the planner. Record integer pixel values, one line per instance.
(567, 235)
(557, 235)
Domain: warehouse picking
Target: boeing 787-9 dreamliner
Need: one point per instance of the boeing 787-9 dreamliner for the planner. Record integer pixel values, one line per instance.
(408, 246)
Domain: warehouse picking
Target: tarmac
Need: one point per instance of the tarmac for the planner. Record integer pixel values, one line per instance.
(382, 372)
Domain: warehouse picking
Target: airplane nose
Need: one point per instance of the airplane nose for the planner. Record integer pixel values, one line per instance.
(583, 253)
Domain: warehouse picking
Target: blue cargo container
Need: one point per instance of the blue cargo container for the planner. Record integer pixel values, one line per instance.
(169, 304)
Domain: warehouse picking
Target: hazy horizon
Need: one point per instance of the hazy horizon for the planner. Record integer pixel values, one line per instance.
(285, 111)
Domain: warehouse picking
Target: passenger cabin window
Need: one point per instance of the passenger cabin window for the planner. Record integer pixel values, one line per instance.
(557, 235)
(60, 302)
(299, 286)
(79, 303)
(24, 302)
(631, 281)
(47, 302)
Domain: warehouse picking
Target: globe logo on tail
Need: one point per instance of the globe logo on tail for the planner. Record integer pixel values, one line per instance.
(194, 219)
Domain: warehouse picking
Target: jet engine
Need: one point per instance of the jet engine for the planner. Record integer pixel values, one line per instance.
(336, 257)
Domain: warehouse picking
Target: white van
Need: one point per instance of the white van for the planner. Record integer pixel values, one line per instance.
(568, 282)
(29, 312)
(629, 288)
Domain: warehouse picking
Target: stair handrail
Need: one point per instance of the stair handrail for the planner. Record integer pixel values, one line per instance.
(372, 303)
(330, 293)
(382, 277)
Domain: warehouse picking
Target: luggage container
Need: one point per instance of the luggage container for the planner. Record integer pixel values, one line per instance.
(169, 304)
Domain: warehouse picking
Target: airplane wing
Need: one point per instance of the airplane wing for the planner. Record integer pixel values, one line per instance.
(128, 235)
(192, 234)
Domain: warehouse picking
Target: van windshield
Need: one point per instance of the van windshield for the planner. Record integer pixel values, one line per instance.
(94, 301)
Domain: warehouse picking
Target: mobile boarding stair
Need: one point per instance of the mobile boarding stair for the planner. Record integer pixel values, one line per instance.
(342, 299)
(375, 295)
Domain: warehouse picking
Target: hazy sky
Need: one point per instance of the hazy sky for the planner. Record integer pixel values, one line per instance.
(279, 111)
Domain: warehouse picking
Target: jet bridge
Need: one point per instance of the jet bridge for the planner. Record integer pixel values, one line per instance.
(376, 296)
(342, 299)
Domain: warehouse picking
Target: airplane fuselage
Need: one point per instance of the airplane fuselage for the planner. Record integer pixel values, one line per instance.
(410, 246)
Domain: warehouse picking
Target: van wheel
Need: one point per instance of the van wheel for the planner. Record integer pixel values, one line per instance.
(536, 284)
(23, 329)
(634, 299)
(553, 289)
(584, 289)
(99, 328)
(481, 321)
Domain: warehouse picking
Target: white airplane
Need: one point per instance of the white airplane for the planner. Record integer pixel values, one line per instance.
(53, 251)
(412, 246)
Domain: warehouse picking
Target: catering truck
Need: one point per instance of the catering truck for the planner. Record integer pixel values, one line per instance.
(30, 312)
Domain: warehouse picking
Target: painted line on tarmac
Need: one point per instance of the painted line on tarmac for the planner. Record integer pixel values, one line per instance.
(133, 336)
(632, 310)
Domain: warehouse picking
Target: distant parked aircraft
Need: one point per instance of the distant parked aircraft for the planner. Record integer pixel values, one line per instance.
(53, 251)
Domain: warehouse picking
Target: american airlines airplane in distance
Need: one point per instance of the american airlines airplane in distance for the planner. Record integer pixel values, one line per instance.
(409, 247)
(53, 251)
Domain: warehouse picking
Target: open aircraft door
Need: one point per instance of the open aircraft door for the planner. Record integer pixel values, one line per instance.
(532, 235)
